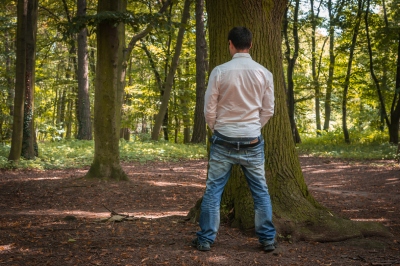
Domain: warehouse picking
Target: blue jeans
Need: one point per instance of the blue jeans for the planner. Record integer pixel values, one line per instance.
(221, 160)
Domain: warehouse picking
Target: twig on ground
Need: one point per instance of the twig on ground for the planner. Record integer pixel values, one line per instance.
(115, 213)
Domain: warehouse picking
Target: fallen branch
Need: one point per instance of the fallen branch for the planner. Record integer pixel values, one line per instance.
(116, 217)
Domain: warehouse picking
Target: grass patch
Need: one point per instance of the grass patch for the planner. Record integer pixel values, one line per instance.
(79, 153)
(363, 146)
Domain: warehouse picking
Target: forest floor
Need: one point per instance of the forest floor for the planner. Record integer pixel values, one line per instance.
(55, 217)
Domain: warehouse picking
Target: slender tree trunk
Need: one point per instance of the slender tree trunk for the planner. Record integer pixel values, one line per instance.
(69, 118)
(169, 81)
(160, 85)
(291, 65)
(55, 109)
(165, 125)
(72, 70)
(16, 141)
(128, 50)
(10, 82)
(185, 102)
(395, 109)
(317, 90)
(175, 109)
(177, 127)
(348, 73)
(108, 94)
(153, 67)
(83, 108)
(199, 126)
(328, 95)
(92, 62)
(372, 71)
(29, 146)
(63, 108)
(125, 131)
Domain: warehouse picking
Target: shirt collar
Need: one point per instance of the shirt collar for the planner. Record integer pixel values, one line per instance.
(247, 55)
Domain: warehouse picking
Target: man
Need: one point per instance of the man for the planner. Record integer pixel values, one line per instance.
(239, 101)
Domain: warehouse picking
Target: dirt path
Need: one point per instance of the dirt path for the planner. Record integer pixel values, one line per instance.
(53, 217)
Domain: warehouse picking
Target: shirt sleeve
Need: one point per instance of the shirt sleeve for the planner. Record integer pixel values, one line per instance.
(268, 102)
(211, 99)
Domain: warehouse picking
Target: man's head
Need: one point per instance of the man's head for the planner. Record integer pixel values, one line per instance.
(241, 38)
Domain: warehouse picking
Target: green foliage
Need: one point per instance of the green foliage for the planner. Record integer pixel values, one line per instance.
(370, 145)
(79, 153)
(160, 151)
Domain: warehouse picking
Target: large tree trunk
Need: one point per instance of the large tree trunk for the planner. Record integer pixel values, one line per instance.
(29, 146)
(16, 140)
(296, 212)
(170, 78)
(108, 94)
(199, 126)
(84, 122)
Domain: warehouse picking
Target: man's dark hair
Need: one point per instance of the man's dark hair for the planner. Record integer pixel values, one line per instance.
(240, 37)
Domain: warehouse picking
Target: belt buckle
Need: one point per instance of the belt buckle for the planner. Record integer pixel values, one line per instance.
(238, 146)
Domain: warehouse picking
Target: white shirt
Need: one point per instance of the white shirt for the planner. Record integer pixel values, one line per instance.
(239, 99)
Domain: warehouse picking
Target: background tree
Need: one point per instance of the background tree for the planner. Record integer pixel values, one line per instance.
(199, 128)
(20, 84)
(29, 144)
(169, 81)
(296, 212)
(334, 12)
(108, 93)
(390, 33)
(7, 72)
(348, 72)
(314, 17)
(291, 62)
(83, 108)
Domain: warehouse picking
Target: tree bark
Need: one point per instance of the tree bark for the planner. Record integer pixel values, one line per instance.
(83, 108)
(170, 78)
(348, 72)
(296, 212)
(199, 125)
(16, 140)
(108, 94)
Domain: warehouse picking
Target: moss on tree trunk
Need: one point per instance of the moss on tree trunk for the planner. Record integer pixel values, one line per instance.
(296, 213)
